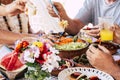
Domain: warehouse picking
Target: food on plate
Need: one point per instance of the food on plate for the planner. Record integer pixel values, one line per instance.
(88, 28)
(81, 61)
(63, 23)
(80, 76)
(75, 74)
(69, 44)
(63, 64)
(55, 36)
(31, 9)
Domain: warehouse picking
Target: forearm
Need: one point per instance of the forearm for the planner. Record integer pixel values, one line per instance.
(3, 11)
(7, 37)
(74, 26)
(115, 72)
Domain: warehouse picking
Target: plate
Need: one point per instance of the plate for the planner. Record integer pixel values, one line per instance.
(63, 75)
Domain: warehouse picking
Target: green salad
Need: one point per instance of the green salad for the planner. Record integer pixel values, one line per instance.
(71, 46)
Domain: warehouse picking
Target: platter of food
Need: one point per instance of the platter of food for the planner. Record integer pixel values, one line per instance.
(68, 44)
(69, 48)
(82, 73)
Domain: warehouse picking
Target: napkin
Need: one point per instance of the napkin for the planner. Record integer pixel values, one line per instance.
(4, 50)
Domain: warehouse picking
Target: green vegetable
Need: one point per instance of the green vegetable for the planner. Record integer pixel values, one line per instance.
(71, 46)
(36, 74)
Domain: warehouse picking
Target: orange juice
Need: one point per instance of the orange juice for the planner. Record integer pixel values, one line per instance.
(106, 35)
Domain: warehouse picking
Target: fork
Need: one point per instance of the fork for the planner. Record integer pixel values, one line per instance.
(55, 10)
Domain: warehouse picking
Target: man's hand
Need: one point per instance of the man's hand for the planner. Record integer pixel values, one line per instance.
(116, 36)
(60, 9)
(15, 7)
(100, 58)
(95, 31)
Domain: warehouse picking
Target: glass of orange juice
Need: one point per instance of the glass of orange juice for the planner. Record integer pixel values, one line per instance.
(105, 33)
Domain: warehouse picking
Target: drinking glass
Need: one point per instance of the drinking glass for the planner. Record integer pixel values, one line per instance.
(105, 33)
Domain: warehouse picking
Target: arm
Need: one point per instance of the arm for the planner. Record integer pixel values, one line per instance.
(3, 11)
(74, 25)
(7, 37)
(115, 72)
(101, 59)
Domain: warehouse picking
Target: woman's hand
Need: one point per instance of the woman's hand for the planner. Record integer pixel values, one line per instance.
(15, 7)
(60, 9)
(100, 58)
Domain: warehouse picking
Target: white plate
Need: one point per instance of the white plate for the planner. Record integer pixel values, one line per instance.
(64, 75)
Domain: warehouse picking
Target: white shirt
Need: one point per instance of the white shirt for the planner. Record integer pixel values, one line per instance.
(92, 9)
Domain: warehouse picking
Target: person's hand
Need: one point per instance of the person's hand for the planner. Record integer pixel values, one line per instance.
(100, 58)
(116, 35)
(95, 32)
(60, 9)
(15, 7)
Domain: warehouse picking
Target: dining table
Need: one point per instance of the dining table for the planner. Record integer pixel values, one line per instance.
(51, 77)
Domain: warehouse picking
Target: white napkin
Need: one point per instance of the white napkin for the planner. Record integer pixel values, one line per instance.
(4, 50)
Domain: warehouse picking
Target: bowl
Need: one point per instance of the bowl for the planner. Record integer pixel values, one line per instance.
(112, 47)
(69, 49)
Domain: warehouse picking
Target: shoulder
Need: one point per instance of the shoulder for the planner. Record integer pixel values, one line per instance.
(89, 2)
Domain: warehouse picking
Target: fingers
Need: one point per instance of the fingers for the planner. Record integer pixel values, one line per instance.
(51, 11)
(94, 33)
(116, 26)
(105, 50)
(89, 54)
(58, 5)
(92, 48)
(20, 4)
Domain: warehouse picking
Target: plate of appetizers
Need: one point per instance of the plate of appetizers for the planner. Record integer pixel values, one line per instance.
(82, 73)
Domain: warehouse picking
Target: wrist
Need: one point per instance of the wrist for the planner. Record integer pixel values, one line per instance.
(115, 72)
